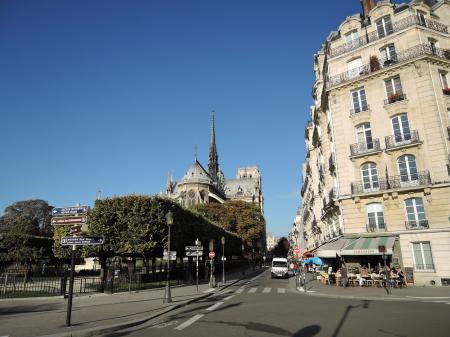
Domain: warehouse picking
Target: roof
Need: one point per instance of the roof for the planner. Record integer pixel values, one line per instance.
(197, 174)
(244, 186)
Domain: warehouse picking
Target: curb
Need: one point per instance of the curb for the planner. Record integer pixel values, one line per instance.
(89, 332)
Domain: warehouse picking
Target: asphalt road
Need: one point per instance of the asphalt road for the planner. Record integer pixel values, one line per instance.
(266, 307)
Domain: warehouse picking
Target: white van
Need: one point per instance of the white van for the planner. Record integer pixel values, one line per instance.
(280, 267)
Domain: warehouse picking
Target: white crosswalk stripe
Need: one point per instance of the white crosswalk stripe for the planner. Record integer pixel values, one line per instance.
(266, 290)
(252, 290)
(239, 291)
(281, 291)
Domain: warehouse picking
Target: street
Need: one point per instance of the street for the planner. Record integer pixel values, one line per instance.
(263, 306)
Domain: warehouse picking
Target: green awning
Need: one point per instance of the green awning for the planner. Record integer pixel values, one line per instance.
(368, 246)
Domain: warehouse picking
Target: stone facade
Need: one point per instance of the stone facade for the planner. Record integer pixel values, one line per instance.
(201, 186)
(378, 141)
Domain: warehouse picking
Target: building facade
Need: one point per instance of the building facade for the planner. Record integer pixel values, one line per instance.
(199, 186)
(376, 180)
(271, 241)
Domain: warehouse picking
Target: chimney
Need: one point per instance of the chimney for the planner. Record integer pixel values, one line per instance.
(367, 6)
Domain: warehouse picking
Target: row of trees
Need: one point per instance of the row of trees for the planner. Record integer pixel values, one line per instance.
(133, 226)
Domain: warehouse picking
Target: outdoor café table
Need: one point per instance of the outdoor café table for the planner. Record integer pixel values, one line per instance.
(377, 280)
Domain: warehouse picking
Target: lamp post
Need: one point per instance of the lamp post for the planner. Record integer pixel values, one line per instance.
(167, 295)
(222, 240)
(198, 244)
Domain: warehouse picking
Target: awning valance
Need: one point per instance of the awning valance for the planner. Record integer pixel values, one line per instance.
(356, 246)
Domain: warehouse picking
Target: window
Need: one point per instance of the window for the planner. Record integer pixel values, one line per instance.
(359, 100)
(388, 54)
(352, 38)
(354, 67)
(364, 137)
(407, 168)
(384, 26)
(434, 44)
(400, 126)
(375, 216)
(423, 258)
(394, 90)
(369, 176)
(444, 81)
(421, 18)
(415, 213)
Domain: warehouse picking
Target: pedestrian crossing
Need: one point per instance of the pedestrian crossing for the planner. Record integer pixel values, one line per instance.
(260, 290)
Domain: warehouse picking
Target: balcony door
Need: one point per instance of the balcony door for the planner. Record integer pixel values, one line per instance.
(364, 137)
(384, 26)
(388, 54)
(400, 127)
(369, 177)
(408, 169)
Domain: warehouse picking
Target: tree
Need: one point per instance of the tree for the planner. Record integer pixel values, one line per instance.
(282, 248)
(240, 217)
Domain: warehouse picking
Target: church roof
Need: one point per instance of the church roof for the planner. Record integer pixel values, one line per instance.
(197, 174)
(240, 187)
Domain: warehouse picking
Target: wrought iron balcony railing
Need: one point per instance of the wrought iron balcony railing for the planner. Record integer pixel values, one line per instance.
(396, 26)
(363, 148)
(410, 180)
(359, 110)
(429, 266)
(369, 187)
(417, 224)
(397, 97)
(374, 66)
(381, 227)
(400, 140)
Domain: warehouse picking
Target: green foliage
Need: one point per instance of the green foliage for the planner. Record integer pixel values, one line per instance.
(240, 217)
(282, 248)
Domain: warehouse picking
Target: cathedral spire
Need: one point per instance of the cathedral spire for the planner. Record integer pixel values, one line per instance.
(213, 162)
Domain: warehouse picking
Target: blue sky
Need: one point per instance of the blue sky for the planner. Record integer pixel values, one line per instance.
(114, 94)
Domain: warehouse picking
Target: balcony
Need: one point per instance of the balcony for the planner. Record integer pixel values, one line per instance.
(372, 67)
(410, 180)
(420, 224)
(424, 267)
(394, 98)
(402, 140)
(364, 149)
(359, 111)
(396, 26)
(448, 132)
(374, 228)
(371, 187)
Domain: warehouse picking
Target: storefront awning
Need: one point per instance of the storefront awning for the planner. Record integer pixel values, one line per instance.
(356, 246)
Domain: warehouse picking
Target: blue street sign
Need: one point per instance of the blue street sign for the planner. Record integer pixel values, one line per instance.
(81, 241)
(69, 210)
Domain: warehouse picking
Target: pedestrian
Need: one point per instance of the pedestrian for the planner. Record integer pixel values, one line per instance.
(344, 275)
(401, 278)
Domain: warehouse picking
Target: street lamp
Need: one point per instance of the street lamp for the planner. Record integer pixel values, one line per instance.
(222, 240)
(167, 296)
(198, 244)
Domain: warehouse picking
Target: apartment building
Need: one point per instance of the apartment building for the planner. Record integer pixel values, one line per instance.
(376, 179)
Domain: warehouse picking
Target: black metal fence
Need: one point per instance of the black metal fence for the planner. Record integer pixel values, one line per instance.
(18, 283)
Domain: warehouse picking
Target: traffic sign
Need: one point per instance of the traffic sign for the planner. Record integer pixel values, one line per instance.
(194, 253)
(81, 241)
(173, 255)
(76, 229)
(296, 250)
(61, 211)
(69, 220)
(193, 248)
(211, 255)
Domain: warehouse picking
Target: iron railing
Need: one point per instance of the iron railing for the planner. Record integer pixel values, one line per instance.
(381, 227)
(365, 147)
(428, 266)
(396, 26)
(417, 224)
(393, 98)
(408, 54)
(369, 187)
(358, 111)
(410, 180)
(400, 140)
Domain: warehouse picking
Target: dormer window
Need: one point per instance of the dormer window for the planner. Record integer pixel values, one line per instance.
(421, 17)
(384, 26)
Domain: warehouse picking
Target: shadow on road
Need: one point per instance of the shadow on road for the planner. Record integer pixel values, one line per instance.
(363, 305)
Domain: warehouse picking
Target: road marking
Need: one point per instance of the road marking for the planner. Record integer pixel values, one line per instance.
(252, 290)
(214, 306)
(189, 322)
(281, 290)
(209, 290)
(429, 298)
(228, 298)
(267, 290)
(239, 291)
(439, 302)
(161, 325)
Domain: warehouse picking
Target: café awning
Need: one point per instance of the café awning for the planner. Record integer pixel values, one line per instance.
(356, 246)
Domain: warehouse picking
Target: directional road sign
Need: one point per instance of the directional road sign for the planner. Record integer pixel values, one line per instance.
(194, 253)
(211, 255)
(81, 241)
(76, 229)
(69, 220)
(61, 211)
(193, 248)
(173, 255)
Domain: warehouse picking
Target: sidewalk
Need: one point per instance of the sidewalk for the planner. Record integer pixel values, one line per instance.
(45, 316)
(411, 293)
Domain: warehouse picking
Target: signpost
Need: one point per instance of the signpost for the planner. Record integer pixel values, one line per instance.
(76, 229)
(60, 211)
(81, 241)
(173, 255)
(69, 220)
(196, 251)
